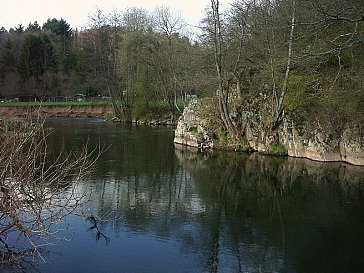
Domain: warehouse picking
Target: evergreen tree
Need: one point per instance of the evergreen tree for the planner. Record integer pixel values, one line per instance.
(33, 27)
(7, 58)
(37, 56)
(61, 33)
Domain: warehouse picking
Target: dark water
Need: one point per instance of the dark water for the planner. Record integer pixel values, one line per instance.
(172, 209)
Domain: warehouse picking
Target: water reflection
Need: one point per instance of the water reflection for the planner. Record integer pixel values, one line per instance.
(187, 211)
(279, 214)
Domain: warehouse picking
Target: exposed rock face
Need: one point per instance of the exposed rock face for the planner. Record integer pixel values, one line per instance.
(352, 146)
(315, 143)
(309, 141)
(190, 128)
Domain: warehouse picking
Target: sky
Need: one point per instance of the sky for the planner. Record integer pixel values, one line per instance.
(76, 12)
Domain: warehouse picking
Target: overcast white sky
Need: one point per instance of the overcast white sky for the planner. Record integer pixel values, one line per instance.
(76, 12)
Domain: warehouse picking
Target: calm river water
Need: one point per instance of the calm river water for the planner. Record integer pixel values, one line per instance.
(167, 208)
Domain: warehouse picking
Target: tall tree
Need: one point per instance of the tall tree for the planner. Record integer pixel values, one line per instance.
(30, 60)
(105, 38)
(7, 58)
(61, 34)
(168, 23)
(37, 58)
(223, 88)
(289, 61)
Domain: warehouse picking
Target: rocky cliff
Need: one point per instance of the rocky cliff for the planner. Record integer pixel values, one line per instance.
(191, 128)
(309, 140)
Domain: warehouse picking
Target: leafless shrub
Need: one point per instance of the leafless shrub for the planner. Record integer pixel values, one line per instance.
(37, 189)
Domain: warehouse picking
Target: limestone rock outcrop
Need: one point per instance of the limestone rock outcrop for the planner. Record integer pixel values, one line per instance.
(190, 129)
(311, 140)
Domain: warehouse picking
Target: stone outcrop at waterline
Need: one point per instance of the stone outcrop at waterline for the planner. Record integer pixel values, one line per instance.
(307, 141)
(191, 126)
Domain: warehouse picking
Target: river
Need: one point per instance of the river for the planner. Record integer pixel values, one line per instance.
(167, 208)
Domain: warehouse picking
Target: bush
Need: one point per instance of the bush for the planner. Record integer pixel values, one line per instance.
(278, 149)
(140, 110)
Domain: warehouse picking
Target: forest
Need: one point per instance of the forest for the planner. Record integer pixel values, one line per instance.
(305, 57)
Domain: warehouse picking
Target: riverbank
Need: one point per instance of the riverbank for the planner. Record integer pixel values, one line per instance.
(89, 111)
(81, 111)
(199, 127)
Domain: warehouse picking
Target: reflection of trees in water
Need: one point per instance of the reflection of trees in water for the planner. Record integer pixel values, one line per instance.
(232, 237)
(286, 208)
(237, 213)
(279, 202)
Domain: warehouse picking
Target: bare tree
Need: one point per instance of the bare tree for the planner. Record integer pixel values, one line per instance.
(168, 23)
(106, 39)
(289, 61)
(223, 89)
(37, 189)
(136, 19)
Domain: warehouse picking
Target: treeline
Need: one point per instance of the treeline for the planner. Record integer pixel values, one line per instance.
(131, 57)
(296, 54)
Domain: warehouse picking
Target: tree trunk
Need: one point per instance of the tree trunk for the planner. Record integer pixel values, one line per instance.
(222, 93)
(289, 61)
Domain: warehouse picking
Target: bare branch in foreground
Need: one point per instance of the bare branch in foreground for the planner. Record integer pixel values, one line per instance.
(37, 190)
